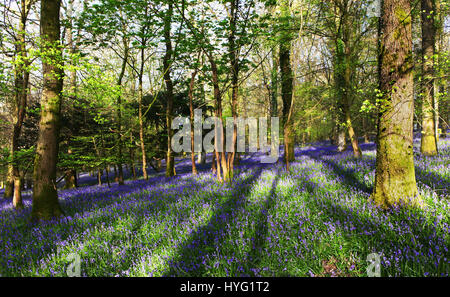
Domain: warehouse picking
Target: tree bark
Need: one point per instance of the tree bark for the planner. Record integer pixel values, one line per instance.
(234, 4)
(395, 179)
(191, 112)
(286, 84)
(119, 177)
(22, 75)
(45, 195)
(141, 120)
(343, 75)
(220, 158)
(438, 81)
(428, 144)
(99, 177)
(274, 86)
(132, 166)
(9, 183)
(71, 178)
(167, 61)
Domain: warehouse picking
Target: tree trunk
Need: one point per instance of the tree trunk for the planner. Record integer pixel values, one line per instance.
(366, 129)
(167, 61)
(344, 70)
(141, 120)
(22, 75)
(201, 158)
(286, 84)
(274, 86)
(9, 183)
(132, 166)
(395, 179)
(438, 81)
(119, 178)
(357, 153)
(428, 144)
(71, 177)
(213, 163)
(191, 112)
(221, 162)
(45, 195)
(234, 61)
(99, 177)
(107, 177)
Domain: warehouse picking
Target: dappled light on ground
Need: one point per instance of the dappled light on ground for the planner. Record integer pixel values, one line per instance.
(316, 220)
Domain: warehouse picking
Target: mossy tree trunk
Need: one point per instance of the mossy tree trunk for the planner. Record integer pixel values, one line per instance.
(428, 145)
(440, 81)
(395, 179)
(45, 195)
(9, 183)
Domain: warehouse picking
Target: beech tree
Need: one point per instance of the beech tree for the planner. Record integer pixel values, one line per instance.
(428, 141)
(167, 63)
(395, 179)
(45, 195)
(286, 80)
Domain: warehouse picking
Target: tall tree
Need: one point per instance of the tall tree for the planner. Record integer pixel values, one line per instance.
(274, 85)
(45, 195)
(167, 63)
(71, 174)
(286, 81)
(395, 179)
(234, 66)
(428, 144)
(110, 22)
(344, 70)
(143, 36)
(22, 75)
(125, 42)
(191, 116)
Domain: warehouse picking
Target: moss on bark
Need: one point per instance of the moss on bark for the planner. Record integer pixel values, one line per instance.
(395, 180)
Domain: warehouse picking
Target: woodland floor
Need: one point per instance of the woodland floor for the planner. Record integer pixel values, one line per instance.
(316, 220)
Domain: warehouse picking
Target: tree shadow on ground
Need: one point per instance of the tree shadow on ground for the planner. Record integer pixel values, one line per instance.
(209, 235)
(400, 237)
(262, 228)
(349, 178)
(60, 230)
(433, 180)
